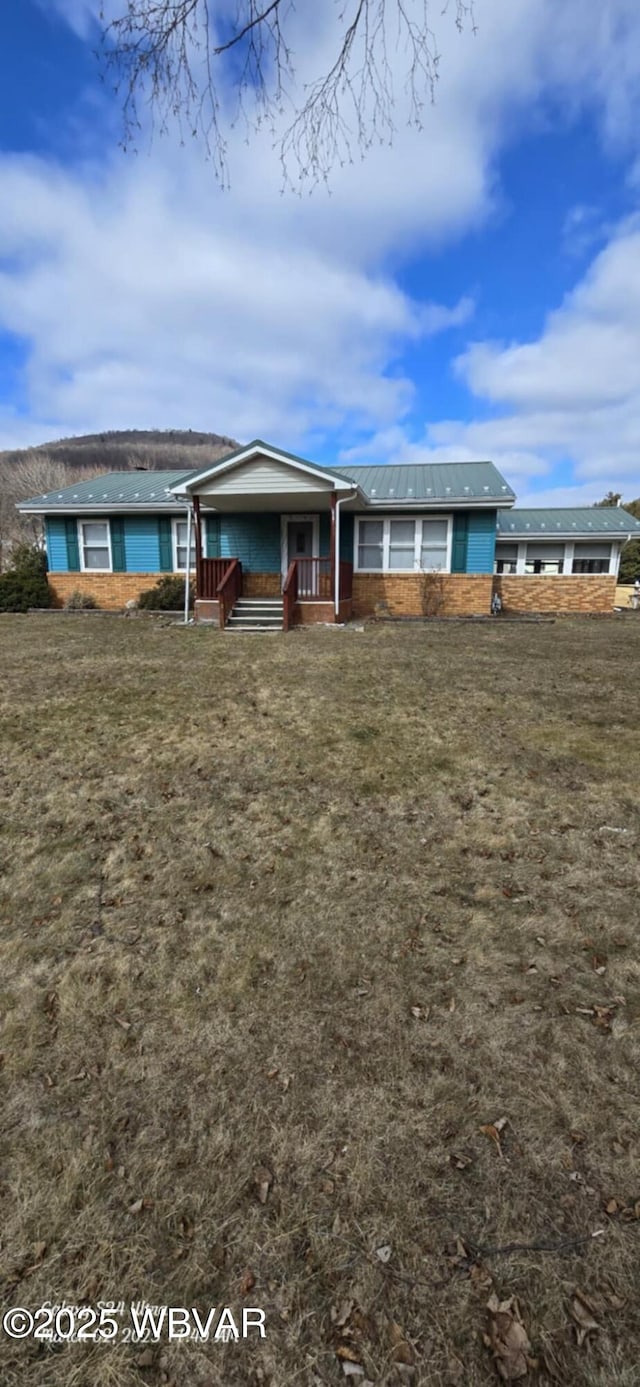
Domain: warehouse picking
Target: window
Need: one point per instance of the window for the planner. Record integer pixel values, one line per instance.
(591, 558)
(403, 544)
(370, 541)
(544, 558)
(95, 547)
(434, 544)
(506, 558)
(180, 545)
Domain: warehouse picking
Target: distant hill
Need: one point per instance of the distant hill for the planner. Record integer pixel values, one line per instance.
(121, 449)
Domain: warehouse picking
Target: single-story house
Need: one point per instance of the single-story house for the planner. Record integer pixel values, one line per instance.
(276, 540)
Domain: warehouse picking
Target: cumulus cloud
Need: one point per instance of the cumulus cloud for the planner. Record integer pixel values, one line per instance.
(145, 296)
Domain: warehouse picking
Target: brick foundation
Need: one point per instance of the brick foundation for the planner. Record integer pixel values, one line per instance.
(309, 613)
(416, 594)
(110, 590)
(261, 584)
(207, 609)
(579, 592)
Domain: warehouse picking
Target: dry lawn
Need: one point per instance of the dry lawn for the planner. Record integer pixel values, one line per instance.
(302, 917)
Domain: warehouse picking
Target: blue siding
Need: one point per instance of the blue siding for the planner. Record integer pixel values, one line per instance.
(254, 539)
(141, 544)
(481, 541)
(56, 544)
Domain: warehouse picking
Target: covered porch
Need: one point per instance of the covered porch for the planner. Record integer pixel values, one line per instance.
(273, 538)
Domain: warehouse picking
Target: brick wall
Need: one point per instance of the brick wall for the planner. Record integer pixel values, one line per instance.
(261, 584)
(111, 590)
(416, 594)
(579, 592)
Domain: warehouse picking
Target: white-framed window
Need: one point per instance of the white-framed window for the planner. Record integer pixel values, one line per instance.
(401, 544)
(94, 543)
(506, 558)
(591, 558)
(179, 540)
(544, 559)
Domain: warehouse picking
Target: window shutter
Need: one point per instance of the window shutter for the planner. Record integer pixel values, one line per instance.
(164, 538)
(213, 537)
(73, 551)
(118, 558)
(459, 547)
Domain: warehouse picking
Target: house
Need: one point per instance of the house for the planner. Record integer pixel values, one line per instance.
(276, 540)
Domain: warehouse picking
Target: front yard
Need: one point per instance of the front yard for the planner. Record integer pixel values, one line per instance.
(288, 925)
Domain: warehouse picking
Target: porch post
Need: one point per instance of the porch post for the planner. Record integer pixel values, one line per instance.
(196, 512)
(332, 550)
(187, 574)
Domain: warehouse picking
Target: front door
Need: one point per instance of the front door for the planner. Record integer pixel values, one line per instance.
(300, 546)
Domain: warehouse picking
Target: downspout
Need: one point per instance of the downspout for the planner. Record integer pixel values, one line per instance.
(340, 500)
(187, 572)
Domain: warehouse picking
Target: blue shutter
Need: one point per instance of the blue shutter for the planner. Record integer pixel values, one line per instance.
(73, 549)
(164, 540)
(459, 547)
(117, 545)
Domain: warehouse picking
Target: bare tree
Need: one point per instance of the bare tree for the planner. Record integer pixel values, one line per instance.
(33, 475)
(168, 54)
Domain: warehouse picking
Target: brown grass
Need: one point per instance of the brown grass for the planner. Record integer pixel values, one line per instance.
(326, 904)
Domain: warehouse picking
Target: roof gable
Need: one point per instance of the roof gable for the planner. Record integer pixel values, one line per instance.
(257, 451)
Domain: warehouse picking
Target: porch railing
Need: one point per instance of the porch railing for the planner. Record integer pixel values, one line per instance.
(289, 595)
(212, 572)
(229, 588)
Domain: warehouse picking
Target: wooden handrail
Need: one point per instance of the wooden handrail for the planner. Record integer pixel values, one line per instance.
(289, 595)
(229, 590)
(212, 572)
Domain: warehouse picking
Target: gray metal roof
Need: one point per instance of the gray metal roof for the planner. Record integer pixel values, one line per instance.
(144, 490)
(431, 482)
(571, 520)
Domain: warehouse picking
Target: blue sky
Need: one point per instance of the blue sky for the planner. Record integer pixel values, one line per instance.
(474, 291)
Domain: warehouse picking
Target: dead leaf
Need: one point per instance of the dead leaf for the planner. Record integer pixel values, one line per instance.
(263, 1180)
(493, 1130)
(347, 1354)
(248, 1282)
(136, 1207)
(384, 1253)
(401, 1350)
(599, 964)
(341, 1313)
(582, 1313)
(126, 1025)
(612, 1206)
(508, 1339)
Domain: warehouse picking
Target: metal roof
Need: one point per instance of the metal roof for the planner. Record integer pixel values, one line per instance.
(573, 520)
(440, 482)
(137, 490)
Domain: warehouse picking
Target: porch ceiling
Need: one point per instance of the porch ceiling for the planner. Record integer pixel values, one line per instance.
(290, 503)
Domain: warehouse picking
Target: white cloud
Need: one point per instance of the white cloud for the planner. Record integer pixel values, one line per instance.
(147, 297)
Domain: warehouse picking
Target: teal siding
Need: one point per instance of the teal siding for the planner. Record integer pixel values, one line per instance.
(212, 536)
(56, 539)
(254, 539)
(481, 541)
(141, 544)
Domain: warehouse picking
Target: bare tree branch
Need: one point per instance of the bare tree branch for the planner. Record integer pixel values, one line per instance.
(166, 54)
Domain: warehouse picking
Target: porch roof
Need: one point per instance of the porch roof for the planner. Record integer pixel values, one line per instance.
(608, 522)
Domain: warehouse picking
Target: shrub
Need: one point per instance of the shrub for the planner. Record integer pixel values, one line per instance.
(166, 596)
(80, 602)
(25, 584)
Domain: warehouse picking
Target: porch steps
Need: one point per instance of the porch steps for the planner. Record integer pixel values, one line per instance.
(256, 614)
